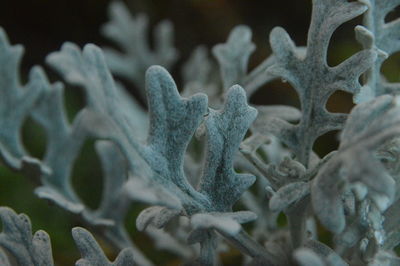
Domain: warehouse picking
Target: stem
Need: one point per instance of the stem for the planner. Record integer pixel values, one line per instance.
(208, 249)
(297, 218)
(258, 76)
(248, 246)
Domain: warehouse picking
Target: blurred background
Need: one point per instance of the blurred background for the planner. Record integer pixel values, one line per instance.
(41, 26)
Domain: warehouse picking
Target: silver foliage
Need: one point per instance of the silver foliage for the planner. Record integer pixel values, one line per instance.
(151, 156)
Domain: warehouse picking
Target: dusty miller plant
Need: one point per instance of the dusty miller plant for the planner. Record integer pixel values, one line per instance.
(152, 154)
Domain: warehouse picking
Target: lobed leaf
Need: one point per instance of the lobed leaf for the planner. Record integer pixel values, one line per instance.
(93, 255)
(225, 131)
(233, 56)
(381, 35)
(130, 33)
(312, 78)
(17, 239)
(15, 104)
(354, 163)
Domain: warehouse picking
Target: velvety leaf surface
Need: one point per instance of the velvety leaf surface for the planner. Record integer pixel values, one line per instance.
(225, 130)
(312, 78)
(49, 112)
(369, 125)
(17, 239)
(15, 103)
(384, 36)
(93, 255)
(131, 34)
(233, 56)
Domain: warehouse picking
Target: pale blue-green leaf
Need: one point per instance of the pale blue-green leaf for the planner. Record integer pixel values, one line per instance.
(157, 216)
(170, 242)
(288, 195)
(93, 255)
(306, 257)
(200, 74)
(312, 78)
(13, 95)
(149, 192)
(173, 121)
(233, 56)
(384, 36)
(369, 126)
(17, 239)
(330, 257)
(383, 258)
(222, 223)
(131, 34)
(49, 112)
(4, 259)
(225, 130)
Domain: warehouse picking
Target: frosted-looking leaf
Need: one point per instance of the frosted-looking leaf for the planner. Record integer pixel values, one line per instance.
(4, 259)
(63, 138)
(306, 257)
(156, 216)
(384, 36)
(93, 255)
(383, 258)
(225, 130)
(130, 33)
(233, 56)
(228, 222)
(107, 113)
(16, 102)
(110, 114)
(200, 74)
(116, 199)
(318, 254)
(17, 239)
(312, 78)
(173, 121)
(369, 126)
(288, 194)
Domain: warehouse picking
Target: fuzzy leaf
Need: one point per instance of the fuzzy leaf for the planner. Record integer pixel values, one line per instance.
(106, 114)
(131, 35)
(287, 113)
(13, 95)
(233, 56)
(369, 125)
(200, 74)
(197, 68)
(317, 253)
(118, 192)
(325, 252)
(307, 257)
(17, 239)
(223, 223)
(225, 130)
(49, 112)
(156, 216)
(380, 35)
(149, 192)
(173, 121)
(312, 78)
(4, 259)
(166, 241)
(287, 195)
(383, 258)
(93, 255)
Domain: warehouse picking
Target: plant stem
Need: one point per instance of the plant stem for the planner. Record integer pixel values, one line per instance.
(297, 218)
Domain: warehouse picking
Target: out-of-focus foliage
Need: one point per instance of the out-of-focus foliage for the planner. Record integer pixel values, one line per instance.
(190, 156)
